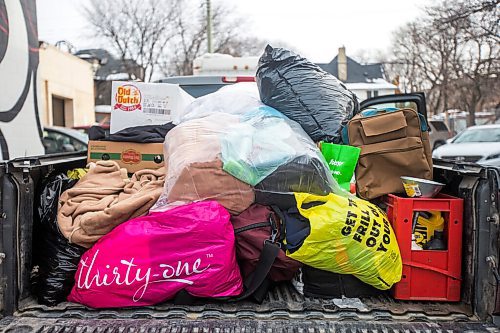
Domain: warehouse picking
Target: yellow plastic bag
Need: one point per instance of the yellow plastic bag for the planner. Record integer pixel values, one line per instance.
(427, 223)
(349, 236)
(77, 173)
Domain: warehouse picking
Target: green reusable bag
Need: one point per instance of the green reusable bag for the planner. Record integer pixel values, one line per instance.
(342, 160)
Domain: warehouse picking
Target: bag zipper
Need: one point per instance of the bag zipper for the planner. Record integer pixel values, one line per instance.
(395, 150)
(377, 115)
(252, 226)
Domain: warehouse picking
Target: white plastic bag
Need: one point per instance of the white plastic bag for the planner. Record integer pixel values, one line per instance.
(231, 99)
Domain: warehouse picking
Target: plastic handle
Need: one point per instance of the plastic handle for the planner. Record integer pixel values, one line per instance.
(304, 198)
(375, 111)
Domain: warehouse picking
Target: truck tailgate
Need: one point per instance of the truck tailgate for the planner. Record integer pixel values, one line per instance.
(26, 324)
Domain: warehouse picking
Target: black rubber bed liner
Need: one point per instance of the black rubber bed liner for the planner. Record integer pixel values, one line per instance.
(64, 325)
(282, 303)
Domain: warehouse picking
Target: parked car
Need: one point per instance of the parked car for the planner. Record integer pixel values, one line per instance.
(61, 140)
(477, 144)
(439, 133)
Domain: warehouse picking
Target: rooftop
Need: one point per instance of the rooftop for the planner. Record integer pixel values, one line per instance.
(356, 72)
(110, 68)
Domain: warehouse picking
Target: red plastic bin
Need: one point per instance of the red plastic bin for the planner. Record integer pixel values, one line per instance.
(428, 274)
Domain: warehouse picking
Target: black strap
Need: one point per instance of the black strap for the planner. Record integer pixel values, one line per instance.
(261, 293)
(278, 212)
(266, 261)
(289, 217)
(184, 298)
(281, 221)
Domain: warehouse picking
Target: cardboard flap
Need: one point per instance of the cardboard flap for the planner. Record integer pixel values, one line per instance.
(390, 122)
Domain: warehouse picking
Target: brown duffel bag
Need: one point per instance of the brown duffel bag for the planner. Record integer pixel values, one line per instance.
(394, 143)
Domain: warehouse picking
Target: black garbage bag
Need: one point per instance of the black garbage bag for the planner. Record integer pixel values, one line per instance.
(302, 174)
(57, 260)
(140, 134)
(302, 91)
(323, 284)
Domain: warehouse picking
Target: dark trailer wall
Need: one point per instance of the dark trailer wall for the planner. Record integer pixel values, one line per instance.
(18, 80)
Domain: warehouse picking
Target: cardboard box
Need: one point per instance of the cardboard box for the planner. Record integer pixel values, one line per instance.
(129, 155)
(137, 104)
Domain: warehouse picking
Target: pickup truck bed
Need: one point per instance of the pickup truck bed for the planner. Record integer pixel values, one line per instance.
(283, 303)
(284, 310)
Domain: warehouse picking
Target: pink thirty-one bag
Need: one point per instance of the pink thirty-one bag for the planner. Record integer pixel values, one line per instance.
(149, 259)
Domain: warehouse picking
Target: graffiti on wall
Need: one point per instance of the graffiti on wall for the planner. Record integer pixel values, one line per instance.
(20, 129)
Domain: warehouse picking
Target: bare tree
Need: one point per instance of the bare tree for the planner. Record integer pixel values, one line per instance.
(477, 66)
(242, 47)
(136, 30)
(370, 56)
(452, 53)
(481, 13)
(190, 40)
(167, 35)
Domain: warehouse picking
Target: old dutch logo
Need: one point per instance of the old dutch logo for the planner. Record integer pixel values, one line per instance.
(131, 156)
(128, 98)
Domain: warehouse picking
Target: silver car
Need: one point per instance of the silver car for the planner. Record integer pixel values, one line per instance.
(477, 144)
(439, 133)
(62, 140)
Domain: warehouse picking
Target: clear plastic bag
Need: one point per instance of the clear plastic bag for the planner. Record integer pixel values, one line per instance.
(260, 143)
(194, 141)
(250, 146)
(231, 99)
(194, 168)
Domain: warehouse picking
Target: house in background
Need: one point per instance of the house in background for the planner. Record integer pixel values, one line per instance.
(365, 81)
(107, 68)
(66, 88)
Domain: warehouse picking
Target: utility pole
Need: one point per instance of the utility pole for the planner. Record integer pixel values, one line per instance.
(209, 27)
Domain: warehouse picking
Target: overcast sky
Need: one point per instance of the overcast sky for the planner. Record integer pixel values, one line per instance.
(317, 28)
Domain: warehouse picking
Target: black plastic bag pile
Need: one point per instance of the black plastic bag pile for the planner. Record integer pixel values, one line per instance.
(56, 258)
(303, 92)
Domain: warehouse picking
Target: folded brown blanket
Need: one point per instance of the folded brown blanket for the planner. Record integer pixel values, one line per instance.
(207, 181)
(104, 198)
